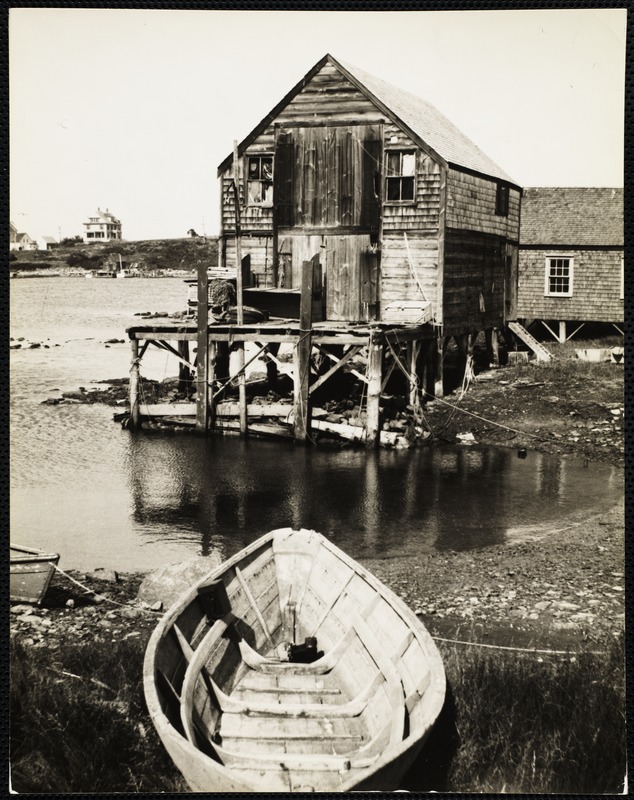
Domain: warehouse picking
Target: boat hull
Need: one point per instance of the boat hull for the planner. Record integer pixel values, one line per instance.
(31, 572)
(236, 715)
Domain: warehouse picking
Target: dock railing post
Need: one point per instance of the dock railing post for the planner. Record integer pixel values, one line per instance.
(301, 354)
(202, 377)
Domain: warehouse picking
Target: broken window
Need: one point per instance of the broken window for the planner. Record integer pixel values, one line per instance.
(559, 276)
(400, 175)
(260, 181)
(502, 200)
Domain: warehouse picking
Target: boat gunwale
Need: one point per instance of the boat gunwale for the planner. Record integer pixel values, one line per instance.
(31, 553)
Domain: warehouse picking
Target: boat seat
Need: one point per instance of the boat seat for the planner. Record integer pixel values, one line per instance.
(351, 708)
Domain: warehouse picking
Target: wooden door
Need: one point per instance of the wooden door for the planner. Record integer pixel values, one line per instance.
(327, 197)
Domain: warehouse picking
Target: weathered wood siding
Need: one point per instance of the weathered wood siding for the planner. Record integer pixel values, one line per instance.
(596, 286)
(330, 97)
(413, 227)
(422, 215)
(326, 177)
(474, 282)
(260, 248)
(402, 281)
(471, 206)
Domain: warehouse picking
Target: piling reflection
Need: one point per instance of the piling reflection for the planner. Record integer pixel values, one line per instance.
(224, 492)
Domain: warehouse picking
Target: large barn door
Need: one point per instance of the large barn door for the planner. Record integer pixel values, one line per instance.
(327, 185)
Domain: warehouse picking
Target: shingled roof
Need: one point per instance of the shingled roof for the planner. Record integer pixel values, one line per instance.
(572, 216)
(426, 123)
(420, 119)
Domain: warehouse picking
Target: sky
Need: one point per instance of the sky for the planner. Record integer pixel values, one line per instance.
(133, 110)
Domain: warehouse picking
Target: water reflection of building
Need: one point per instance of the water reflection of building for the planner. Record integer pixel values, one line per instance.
(224, 492)
(473, 499)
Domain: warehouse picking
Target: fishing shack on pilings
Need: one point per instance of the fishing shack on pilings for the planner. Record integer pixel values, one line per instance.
(365, 223)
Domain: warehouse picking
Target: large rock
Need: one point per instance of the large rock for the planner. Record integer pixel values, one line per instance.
(167, 583)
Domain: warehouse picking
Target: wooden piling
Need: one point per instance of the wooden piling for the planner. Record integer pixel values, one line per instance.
(242, 392)
(202, 377)
(441, 348)
(375, 375)
(301, 354)
(492, 346)
(413, 349)
(184, 374)
(135, 407)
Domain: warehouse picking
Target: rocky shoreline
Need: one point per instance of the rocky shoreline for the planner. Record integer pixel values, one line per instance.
(554, 590)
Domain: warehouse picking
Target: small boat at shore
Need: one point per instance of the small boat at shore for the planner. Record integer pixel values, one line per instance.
(292, 668)
(101, 273)
(30, 574)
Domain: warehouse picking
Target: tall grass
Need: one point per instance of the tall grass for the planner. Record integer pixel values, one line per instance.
(512, 723)
(516, 723)
(79, 722)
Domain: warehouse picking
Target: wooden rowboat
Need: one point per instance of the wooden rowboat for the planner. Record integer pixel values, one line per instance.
(31, 572)
(242, 705)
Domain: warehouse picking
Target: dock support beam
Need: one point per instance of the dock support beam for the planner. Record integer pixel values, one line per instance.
(135, 407)
(375, 374)
(301, 354)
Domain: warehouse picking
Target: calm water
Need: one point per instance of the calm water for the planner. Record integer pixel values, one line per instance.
(102, 496)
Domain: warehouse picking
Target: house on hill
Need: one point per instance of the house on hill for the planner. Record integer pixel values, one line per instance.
(20, 241)
(571, 262)
(48, 243)
(411, 221)
(102, 227)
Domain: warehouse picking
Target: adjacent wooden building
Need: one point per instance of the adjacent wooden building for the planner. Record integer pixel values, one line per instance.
(411, 221)
(571, 262)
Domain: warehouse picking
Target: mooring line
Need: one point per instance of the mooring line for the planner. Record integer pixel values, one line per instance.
(101, 596)
(518, 649)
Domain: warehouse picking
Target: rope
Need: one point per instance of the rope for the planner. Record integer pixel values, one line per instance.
(102, 597)
(516, 649)
(489, 421)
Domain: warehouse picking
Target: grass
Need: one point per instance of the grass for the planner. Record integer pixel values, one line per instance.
(79, 722)
(512, 723)
(520, 723)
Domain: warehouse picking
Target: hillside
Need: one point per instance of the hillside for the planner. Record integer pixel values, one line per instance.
(149, 257)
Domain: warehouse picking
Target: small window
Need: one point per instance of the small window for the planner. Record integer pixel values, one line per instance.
(400, 175)
(260, 181)
(502, 200)
(558, 276)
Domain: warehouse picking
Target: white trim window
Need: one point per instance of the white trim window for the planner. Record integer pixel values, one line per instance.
(558, 276)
